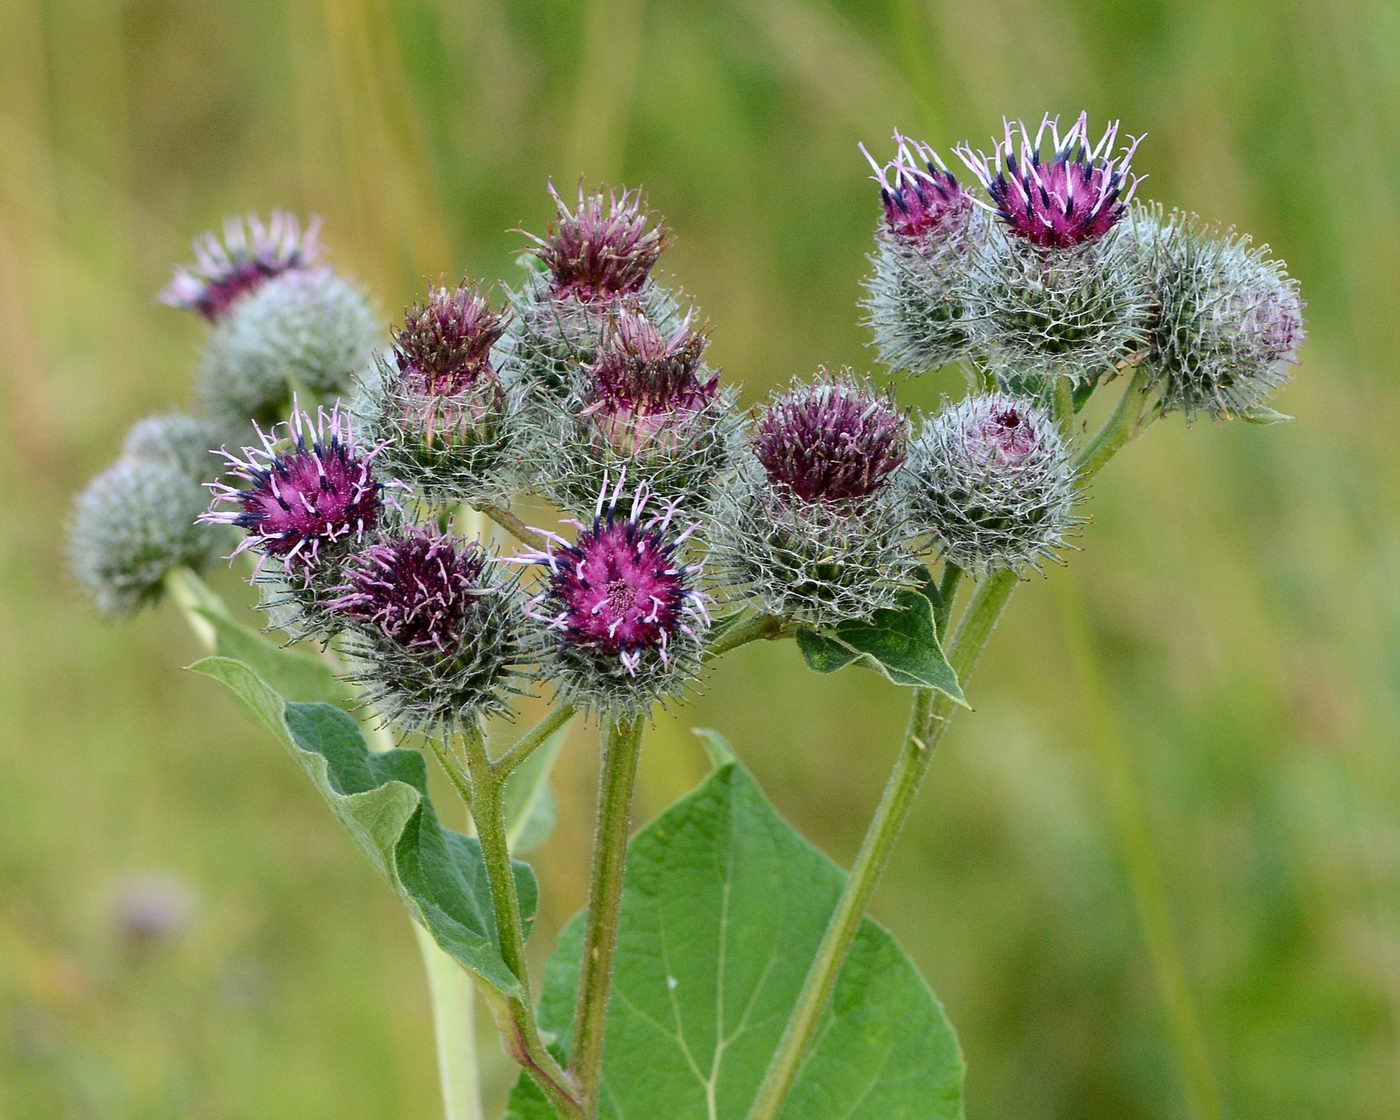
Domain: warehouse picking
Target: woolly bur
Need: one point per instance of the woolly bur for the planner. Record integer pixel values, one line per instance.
(813, 526)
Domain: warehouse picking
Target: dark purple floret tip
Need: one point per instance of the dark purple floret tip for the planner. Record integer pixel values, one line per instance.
(603, 248)
(920, 196)
(1072, 197)
(422, 591)
(301, 491)
(832, 440)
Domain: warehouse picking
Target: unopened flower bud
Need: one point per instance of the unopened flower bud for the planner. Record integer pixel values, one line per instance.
(1228, 321)
(131, 525)
(433, 629)
(992, 484)
(621, 618)
(814, 524)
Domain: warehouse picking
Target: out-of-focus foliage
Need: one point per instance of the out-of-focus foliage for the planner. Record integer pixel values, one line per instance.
(1156, 873)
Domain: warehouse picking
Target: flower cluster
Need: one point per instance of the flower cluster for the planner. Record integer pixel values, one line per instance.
(1038, 273)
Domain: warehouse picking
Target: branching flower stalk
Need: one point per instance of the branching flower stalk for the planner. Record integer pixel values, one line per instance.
(830, 514)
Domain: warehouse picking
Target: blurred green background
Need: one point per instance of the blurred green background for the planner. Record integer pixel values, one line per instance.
(1157, 874)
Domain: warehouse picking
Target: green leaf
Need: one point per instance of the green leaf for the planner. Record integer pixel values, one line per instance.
(900, 643)
(722, 910)
(1264, 416)
(716, 746)
(295, 674)
(382, 800)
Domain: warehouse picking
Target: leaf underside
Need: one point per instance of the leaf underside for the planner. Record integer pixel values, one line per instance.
(382, 800)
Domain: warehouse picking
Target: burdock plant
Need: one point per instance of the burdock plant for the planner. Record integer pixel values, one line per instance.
(723, 967)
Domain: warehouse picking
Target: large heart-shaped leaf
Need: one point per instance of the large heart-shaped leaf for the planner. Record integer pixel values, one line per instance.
(900, 642)
(723, 907)
(382, 800)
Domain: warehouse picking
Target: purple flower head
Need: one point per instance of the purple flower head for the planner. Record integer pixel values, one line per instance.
(922, 198)
(250, 254)
(303, 491)
(444, 345)
(832, 440)
(619, 589)
(1072, 198)
(604, 248)
(422, 590)
(644, 382)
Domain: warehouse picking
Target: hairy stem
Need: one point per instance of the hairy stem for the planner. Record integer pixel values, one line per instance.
(515, 1015)
(527, 744)
(622, 742)
(929, 719)
(947, 593)
(741, 633)
(1125, 423)
(515, 527)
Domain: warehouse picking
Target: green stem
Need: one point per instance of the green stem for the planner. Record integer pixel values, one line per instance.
(1125, 423)
(515, 1015)
(947, 593)
(1062, 404)
(188, 592)
(515, 527)
(528, 743)
(931, 714)
(741, 633)
(452, 997)
(622, 742)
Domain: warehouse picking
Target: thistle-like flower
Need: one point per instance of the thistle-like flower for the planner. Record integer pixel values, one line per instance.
(597, 255)
(648, 411)
(433, 630)
(305, 498)
(622, 619)
(131, 525)
(447, 424)
(250, 254)
(603, 248)
(831, 441)
(1228, 321)
(918, 293)
(1071, 198)
(814, 524)
(992, 484)
(1056, 291)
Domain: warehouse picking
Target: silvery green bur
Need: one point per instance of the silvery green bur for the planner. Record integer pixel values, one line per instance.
(1228, 319)
(991, 485)
(134, 523)
(185, 441)
(812, 526)
(281, 320)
